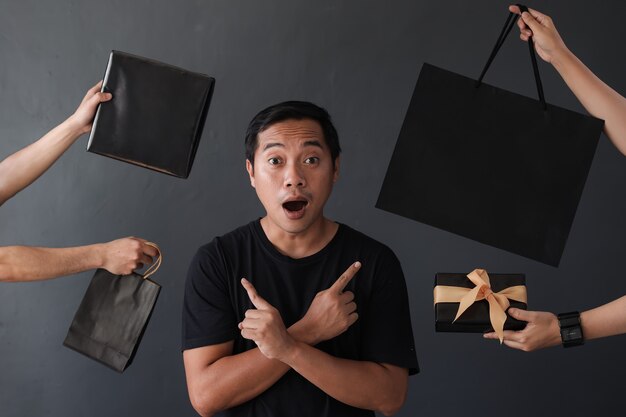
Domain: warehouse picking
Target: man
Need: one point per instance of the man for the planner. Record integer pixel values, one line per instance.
(24, 263)
(544, 328)
(303, 334)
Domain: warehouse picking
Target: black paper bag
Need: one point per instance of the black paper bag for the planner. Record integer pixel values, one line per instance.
(476, 318)
(491, 165)
(156, 117)
(113, 316)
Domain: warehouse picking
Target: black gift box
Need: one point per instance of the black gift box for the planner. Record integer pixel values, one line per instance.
(156, 117)
(476, 318)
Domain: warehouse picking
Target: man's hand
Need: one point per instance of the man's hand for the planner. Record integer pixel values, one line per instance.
(548, 42)
(82, 118)
(265, 326)
(542, 330)
(332, 311)
(123, 256)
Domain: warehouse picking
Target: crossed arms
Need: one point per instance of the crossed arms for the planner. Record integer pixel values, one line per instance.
(218, 380)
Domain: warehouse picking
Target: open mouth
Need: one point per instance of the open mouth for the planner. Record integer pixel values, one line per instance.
(294, 206)
(295, 209)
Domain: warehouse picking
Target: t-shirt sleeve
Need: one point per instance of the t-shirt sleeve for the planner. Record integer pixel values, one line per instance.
(387, 332)
(208, 315)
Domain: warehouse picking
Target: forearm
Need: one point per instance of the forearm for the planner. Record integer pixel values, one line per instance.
(361, 384)
(235, 379)
(606, 320)
(599, 99)
(25, 166)
(24, 263)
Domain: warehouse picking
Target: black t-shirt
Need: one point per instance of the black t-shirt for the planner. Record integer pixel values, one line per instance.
(215, 302)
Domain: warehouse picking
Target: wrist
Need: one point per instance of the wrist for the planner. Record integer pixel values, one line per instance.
(561, 59)
(292, 352)
(555, 331)
(302, 333)
(74, 127)
(97, 258)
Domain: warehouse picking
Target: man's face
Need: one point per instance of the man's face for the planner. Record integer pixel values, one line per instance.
(293, 173)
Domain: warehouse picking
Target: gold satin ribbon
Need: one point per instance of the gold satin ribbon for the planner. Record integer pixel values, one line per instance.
(498, 301)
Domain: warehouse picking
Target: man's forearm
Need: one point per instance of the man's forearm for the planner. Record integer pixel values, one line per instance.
(606, 320)
(235, 379)
(25, 263)
(25, 166)
(597, 97)
(361, 384)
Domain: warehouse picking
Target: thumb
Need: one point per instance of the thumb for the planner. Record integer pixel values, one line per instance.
(92, 103)
(102, 97)
(519, 314)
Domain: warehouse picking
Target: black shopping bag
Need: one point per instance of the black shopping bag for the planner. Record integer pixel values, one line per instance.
(491, 165)
(156, 117)
(113, 316)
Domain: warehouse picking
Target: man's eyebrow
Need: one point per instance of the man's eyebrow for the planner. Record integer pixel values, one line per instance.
(272, 145)
(314, 142)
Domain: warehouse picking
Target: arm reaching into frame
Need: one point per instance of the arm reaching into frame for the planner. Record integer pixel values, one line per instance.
(22, 168)
(120, 257)
(603, 102)
(543, 331)
(599, 99)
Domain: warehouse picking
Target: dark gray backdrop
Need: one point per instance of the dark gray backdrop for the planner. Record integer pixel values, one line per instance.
(358, 59)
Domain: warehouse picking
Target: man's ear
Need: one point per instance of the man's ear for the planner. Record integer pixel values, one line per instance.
(336, 173)
(250, 169)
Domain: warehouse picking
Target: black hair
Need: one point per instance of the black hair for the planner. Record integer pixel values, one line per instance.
(297, 110)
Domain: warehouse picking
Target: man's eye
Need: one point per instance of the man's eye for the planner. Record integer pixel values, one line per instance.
(312, 160)
(274, 161)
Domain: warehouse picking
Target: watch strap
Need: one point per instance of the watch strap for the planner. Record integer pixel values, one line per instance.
(571, 330)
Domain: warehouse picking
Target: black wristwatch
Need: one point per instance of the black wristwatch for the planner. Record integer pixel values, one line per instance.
(571, 331)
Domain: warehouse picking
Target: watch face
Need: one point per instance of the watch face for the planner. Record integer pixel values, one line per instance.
(573, 333)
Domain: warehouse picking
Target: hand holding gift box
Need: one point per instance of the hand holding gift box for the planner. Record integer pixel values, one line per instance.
(476, 302)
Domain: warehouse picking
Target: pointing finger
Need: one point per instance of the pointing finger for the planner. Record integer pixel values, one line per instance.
(256, 299)
(346, 277)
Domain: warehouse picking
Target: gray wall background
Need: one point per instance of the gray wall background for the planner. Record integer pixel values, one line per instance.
(358, 59)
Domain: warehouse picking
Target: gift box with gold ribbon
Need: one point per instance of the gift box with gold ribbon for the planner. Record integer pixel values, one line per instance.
(477, 302)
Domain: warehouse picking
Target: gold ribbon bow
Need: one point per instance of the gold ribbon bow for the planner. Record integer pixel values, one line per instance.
(498, 301)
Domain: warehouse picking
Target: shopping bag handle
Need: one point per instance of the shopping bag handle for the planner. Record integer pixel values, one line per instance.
(153, 268)
(506, 29)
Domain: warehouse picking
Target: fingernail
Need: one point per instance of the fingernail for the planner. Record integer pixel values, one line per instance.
(357, 264)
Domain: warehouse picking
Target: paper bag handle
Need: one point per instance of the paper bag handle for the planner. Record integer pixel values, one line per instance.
(156, 264)
(506, 29)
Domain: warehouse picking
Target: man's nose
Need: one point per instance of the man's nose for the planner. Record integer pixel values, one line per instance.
(294, 176)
